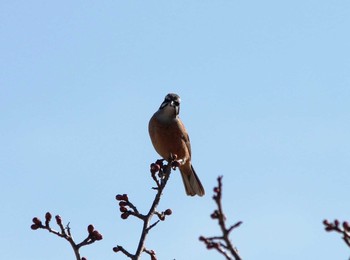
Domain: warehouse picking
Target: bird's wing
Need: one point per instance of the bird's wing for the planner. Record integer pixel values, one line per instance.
(185, 137)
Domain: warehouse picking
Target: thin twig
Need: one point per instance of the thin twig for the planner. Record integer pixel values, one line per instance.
(343, 229)
(222, 243)
(65, 233)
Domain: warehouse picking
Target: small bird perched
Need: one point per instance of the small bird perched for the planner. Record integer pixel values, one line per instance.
(169, 137)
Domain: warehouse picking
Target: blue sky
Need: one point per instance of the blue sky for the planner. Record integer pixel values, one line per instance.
(265, 88)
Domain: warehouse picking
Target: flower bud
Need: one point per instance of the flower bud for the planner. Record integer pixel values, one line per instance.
(346, 226)
(125, 197)
(153, 255)
(123, 209)
(90, 228)
(160, 162)
(119, 197)
(116, 249)
(336, 222)
(123, 204)
(154, 168)
(168, 212)
(58, 220)
(48, 216)
(96, 235)
(201, 238)
(34, 227)
(37, 221)
(125, 215)
(210, 246)
(329, 228)
(215, 214)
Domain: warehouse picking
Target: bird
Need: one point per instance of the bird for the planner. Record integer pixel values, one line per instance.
(169, 137)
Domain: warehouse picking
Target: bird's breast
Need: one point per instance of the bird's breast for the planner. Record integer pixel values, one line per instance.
(169, 138)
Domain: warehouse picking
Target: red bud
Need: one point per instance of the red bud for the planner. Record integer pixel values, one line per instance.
(34, 227)
(58, 220)
(90, 228)
(123, 209)
(215, 214)
(153, 255)
(125, 215)
(37, 221)
(336, 222)
(48, 216)
(210, 246)
(168, 212)
(328, 228)
(125, 197)
(160, 162)
(96, 235)
(154, 168)
(123, 204)
(201, 238)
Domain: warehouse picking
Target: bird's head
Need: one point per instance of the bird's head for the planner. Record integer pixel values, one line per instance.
(171, 104)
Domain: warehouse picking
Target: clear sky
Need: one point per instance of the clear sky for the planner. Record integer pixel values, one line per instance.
(265, 88)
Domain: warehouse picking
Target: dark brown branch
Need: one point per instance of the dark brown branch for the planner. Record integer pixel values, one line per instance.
(153, 225)
(221, 243)
(343, 229)
(151, 253)
(122, 249)
(160, 174)
(65, 233)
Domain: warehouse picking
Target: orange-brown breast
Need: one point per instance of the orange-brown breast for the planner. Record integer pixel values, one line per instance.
(170, 138)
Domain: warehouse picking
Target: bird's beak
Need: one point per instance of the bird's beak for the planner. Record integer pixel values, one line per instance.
(177, 108)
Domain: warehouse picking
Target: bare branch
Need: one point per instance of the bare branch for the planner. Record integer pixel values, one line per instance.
(343, 229)
(221, 243)
(160, 173)
(93, 235)
(151, 253)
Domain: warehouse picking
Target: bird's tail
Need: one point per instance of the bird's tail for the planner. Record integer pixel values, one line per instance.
(193, 185)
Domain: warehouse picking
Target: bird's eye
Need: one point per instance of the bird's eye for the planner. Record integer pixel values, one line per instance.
(177, 103)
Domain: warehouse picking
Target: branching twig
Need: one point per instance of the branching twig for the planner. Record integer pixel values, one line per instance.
(93, 235)
(160, 174)
(221, 243)
(151, 253)
(344, 229)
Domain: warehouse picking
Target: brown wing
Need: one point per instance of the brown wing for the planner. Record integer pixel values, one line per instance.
(186, 138)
